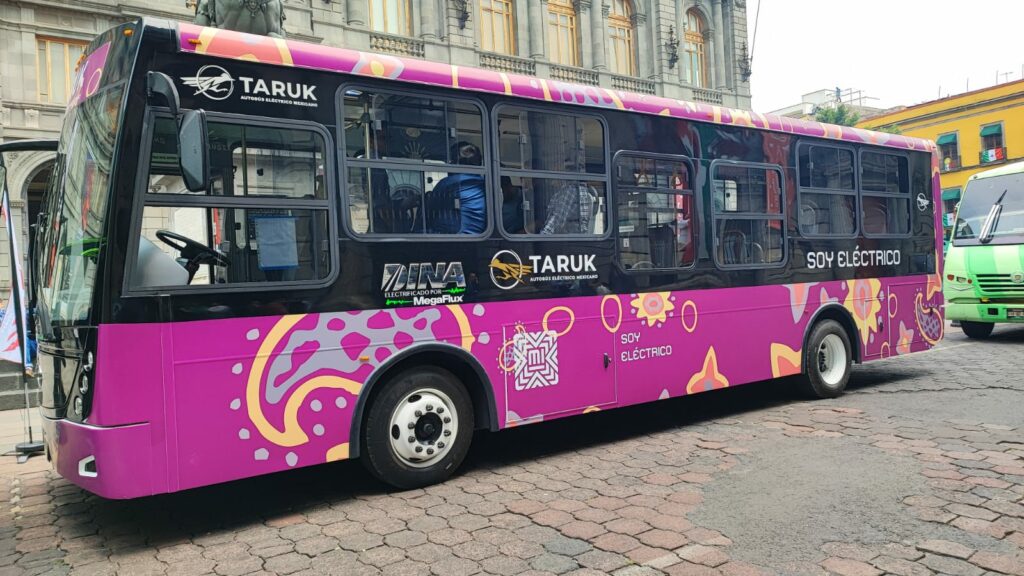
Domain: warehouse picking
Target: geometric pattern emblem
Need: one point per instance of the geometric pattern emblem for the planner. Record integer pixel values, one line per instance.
(536, 359)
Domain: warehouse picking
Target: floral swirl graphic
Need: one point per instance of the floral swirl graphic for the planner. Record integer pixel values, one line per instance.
(862, 302)
(709, 378)
(654, 307)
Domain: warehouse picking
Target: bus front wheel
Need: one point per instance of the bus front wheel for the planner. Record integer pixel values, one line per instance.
(418, 428)
(977, 330)
(827, 360)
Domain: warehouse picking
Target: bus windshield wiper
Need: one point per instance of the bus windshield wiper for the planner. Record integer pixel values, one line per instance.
(988, 230)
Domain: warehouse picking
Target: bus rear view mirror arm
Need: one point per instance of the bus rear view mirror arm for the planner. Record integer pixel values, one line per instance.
(193, 152)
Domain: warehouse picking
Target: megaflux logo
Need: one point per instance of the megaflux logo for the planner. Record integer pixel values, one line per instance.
(216, 83)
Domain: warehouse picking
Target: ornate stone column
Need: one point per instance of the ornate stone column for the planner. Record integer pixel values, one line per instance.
(538, 18)
(357, 15)
(428, 19)
(598, 17)
(584, 9)
(719, 27)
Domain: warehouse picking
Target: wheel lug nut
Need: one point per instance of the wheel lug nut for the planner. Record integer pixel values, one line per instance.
(412, 439)
(430, 450)
(419, 413)
(419, 449)
(447, 420)
(430, 407)
(440, 444)
(412, 425)
(447, 432)
(440, 409)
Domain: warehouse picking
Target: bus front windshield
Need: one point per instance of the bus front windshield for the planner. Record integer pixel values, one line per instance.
(71, 233)
(977, 203)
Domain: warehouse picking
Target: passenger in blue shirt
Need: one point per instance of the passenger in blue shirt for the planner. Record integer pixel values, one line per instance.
(468, 189)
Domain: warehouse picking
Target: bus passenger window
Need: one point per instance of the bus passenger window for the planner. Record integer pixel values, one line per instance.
(415, 165)
(656, 211)
(885, 194)
(279, 233)
(828, 195)
(749, 214)
(554, 177)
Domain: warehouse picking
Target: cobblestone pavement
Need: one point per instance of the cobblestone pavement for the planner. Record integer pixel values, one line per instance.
(919, 469)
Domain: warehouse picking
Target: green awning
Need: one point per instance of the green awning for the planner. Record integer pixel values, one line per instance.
(946, 139)
(951, 194)
(992, 130)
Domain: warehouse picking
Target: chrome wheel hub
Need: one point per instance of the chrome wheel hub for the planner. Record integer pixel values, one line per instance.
(424, 426)
(832, 359)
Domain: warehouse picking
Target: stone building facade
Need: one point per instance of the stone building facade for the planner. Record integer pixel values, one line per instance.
(687, 49)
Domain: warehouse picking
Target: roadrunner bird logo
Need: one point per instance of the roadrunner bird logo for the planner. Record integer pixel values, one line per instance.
(508, 271)
(211, 81)
(923, 202)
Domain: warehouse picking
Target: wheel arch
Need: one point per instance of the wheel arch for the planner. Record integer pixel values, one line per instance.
(452, 358)
(844, 318)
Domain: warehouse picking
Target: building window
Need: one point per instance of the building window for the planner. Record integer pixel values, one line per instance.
(749, 215)
(696, 59)
(885, 194)
(828, 194)
(622, 38)
(391, 16)
(415, 165)
(992, 149)
(56, 61)
(949, 151)
(563, 43)
(497, 32)
(553, 174)
(656, 212)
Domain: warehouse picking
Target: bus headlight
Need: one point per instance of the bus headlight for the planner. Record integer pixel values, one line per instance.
(83, 384)
(78, 405)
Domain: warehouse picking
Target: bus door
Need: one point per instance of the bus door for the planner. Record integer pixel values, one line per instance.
(561, 365)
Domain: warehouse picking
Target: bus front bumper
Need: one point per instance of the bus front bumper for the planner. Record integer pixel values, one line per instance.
(985, 312)
(113, 462)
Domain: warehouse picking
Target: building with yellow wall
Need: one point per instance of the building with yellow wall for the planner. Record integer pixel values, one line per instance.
(975, 131)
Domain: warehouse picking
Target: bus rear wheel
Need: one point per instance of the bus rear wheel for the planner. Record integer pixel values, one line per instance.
(418, 428)
(827, 360)
(977, 330)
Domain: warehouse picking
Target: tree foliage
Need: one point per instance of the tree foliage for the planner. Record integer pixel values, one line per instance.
(841, 114)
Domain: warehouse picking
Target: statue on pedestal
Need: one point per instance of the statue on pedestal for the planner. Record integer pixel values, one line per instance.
(263, 17)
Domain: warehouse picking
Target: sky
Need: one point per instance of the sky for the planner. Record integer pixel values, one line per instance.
(900, 52)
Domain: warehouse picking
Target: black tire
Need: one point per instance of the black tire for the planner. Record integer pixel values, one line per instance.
(821, 379)
(380, 455)
(977, 330)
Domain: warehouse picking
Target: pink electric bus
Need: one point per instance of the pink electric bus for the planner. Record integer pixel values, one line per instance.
(258, 254)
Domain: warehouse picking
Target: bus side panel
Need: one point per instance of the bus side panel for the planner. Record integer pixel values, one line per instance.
(250, 396)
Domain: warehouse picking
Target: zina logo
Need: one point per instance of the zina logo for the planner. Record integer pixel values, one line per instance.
(211, 81)
(425, 283)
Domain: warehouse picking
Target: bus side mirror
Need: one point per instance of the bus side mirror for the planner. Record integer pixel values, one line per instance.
(193, 150)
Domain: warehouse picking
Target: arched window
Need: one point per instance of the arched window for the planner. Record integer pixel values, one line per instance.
(496, 26)
(621, 38)
(391, 16)
(696, 59)
(563, 46)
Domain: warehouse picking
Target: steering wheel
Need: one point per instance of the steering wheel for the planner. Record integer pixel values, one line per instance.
(193, 252)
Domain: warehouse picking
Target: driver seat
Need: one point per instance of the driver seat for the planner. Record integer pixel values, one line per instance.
(156, 268)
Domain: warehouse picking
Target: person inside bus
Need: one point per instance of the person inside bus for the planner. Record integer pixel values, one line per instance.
(463, 195)
(571, 210)
(511, 207)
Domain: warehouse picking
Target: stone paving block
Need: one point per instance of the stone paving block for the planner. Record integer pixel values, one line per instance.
(848, 567)
(951, 566)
